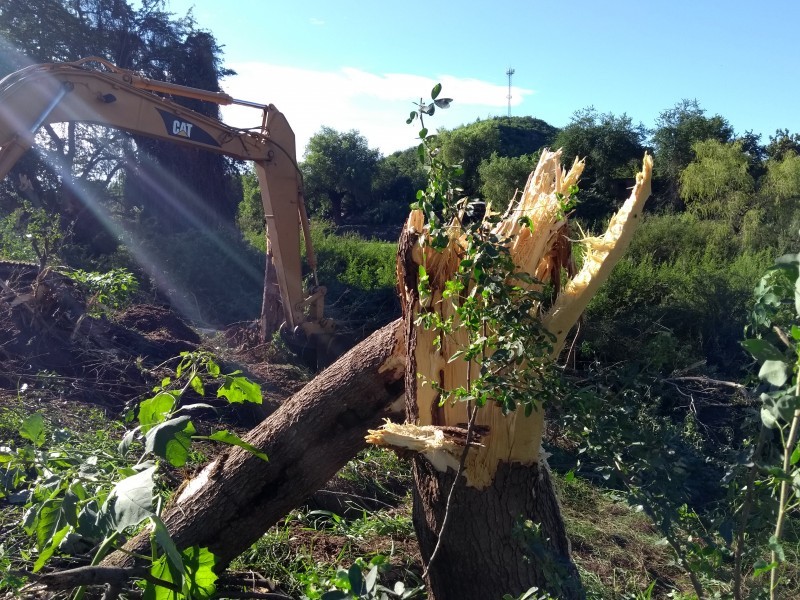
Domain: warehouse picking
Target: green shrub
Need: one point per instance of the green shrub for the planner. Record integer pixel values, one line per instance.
(679, 297)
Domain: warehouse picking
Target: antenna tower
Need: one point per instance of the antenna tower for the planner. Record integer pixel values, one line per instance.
(510, 72)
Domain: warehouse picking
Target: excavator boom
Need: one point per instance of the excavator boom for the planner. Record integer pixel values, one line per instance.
(95, 91)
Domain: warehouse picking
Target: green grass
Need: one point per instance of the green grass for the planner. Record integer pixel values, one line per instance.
(617, 549)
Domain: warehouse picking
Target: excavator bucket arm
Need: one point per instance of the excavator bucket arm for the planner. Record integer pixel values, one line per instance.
(74, 92)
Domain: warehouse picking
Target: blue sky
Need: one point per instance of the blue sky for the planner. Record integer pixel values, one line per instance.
(359, 65)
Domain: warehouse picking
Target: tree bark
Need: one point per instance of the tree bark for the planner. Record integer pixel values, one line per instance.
(238, 496)
(503, 539)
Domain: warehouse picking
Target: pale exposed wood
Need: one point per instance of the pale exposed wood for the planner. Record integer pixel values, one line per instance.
(514, 437)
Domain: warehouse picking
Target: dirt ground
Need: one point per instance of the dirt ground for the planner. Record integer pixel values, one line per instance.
(48, 342)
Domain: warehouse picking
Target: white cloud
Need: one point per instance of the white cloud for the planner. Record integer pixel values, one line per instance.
(374, 104)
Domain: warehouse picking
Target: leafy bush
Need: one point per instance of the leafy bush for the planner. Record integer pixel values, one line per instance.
(679, 297)
(360, 277)
(114, 289)
(83, 499)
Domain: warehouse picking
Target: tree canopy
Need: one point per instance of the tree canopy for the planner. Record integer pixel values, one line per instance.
(612, 146)
(337, 171)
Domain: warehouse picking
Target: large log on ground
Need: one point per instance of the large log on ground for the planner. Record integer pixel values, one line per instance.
(238, 496)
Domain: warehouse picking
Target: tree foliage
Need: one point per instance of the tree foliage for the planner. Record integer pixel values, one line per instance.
(716, 179)
(677, 130)
(337, 171)
(612, 146)
(471, 144)
(396, 181)
(81, 169)
(503, 176)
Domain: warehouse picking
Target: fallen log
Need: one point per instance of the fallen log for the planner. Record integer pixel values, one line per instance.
(238, 496)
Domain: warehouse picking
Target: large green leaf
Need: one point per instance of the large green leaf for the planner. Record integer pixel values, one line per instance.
(762, 350)
(131, 500)
(775, 372)
(33, 429)
(49, 520)
(199, 565)
(154, 410)
(165, 571)
(171, 553)
(171, 440)
(778, 407)
(238, 389)
(46, 552)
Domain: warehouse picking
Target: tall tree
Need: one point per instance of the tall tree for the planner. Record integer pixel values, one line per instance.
(338, 170)
(781, 143)
(471, 144)
(186, 188)
(394, 186)
(613, 146)
(677, 130)
(718, 184)
(503, 176)
(87, 162)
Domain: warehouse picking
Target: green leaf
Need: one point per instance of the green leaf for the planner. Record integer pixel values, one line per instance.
(776, 547)
(164, 570)
(237, 390)
(775, 372)
(47, 552)
(131, 500)
(797, 296)
(212, 368)
(437, 89)
(762, 350)
(228, 437)
(33, 429)
(761, 567)
(127, 440)
(197, 385)
(199, 565)
(49, 520)
(795, 455)
(154, 410)
(171, 553)
(171, 440)
(356, 579)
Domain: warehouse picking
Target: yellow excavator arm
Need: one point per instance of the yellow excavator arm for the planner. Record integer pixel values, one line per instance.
(93, 90)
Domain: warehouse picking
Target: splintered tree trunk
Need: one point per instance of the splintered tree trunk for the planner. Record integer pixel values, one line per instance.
(499, 530)
(238, 496)
(505, 534)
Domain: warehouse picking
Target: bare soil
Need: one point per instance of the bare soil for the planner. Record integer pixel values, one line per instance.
(49, 342)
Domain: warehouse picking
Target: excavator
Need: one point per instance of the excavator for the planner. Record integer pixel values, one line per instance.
(93, 90)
